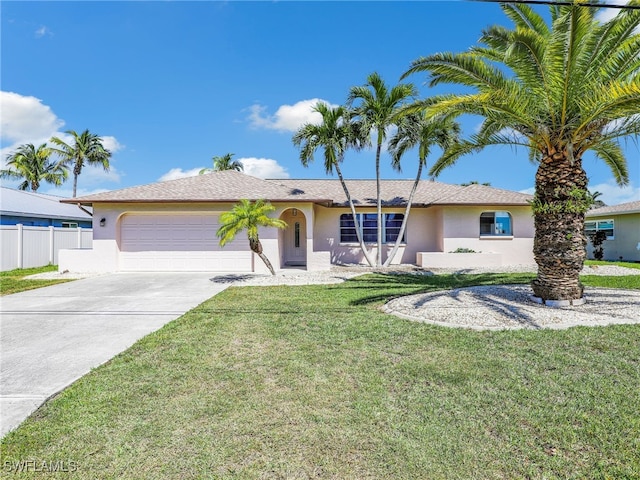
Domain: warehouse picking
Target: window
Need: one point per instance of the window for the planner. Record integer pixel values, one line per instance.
(495, 224)
(599, 226)
(368, 223)
(296, 235)
(69, 225)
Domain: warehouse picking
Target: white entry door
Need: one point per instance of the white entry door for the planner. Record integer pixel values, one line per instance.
(295, 241)
(179, 242)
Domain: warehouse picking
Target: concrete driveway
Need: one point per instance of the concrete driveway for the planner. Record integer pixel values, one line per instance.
(52, 336)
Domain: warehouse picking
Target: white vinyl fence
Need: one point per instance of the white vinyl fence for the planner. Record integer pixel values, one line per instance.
(26, 247)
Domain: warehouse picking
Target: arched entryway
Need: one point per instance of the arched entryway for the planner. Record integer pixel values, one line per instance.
(293, 240)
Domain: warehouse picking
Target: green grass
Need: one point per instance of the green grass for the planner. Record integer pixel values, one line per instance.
(619, 264)
(13, 281)
(315, 381)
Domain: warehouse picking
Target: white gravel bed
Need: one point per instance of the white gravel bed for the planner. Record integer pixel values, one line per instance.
(499, 307)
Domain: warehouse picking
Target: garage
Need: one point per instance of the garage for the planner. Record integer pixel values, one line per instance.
(179, 243)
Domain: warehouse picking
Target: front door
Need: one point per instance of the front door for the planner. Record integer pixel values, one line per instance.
(295, 251)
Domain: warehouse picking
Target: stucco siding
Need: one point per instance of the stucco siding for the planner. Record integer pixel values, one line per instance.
(421, 234)
(461, 230)
(626, 241)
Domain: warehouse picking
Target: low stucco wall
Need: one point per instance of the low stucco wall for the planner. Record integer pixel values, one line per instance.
(101, 258)
(458, 260)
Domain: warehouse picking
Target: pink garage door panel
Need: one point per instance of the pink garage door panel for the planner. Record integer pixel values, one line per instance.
(179, 243)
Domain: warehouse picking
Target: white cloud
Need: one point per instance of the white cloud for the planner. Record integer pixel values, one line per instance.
(606, 14)
(256, 167)
(288, 118)
(111, 144)
(92, 175)
(612, 194)
(26, 120)
(263, 168)
(42, 31)
(176, 173)
(528, 191)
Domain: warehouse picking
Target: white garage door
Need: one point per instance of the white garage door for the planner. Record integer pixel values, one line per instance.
(179, 243)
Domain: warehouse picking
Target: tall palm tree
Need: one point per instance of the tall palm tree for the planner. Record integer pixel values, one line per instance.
(335, 135)
(416, 131)
(559, 89)
(249, 216)
(224, 162)
(34, 166)
(86, 147)
(379, 108)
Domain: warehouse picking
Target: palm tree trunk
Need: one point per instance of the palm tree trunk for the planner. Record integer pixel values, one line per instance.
(77, 169)
(559, 248)
(379, 202)
(356, 225)
(396, 245)
(75, 184)
(256, 247)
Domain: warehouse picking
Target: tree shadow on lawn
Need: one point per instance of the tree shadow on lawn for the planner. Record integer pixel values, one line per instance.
(390, 286)
(232, 277)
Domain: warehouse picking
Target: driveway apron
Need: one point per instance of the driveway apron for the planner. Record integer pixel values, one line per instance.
(50, 337)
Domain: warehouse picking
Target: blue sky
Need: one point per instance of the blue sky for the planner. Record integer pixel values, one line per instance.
(168, 85)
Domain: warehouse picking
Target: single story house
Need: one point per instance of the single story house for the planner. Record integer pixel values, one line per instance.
(622, 226)
(38, 210)
(171, 226)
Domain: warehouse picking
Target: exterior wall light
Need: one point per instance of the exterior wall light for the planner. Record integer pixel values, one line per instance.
(294, 212)
(103, 222)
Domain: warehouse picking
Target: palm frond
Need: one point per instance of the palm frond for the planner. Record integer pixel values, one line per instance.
(611, 153)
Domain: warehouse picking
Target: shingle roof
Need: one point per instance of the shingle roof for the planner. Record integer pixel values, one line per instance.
(396, 192)
(224, 186)
(38, 205)
(232, 186)
(623, 208)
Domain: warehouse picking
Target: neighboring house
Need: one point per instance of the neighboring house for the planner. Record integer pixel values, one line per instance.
(171, 226)
(621, 223)
(38, 210)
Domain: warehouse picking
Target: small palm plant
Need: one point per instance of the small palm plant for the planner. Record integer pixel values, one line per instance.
(249, 216)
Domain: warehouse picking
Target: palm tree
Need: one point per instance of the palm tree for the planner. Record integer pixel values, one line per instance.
(336, 134)
(559, 90)
(249, 216)
(224, 162)
(475, 182)
(415, 131)
(87, 147)
(379, 109)
(33, 165)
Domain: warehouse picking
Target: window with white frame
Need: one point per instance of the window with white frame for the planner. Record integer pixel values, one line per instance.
(368, 223)
(495, 224)
(606, 226)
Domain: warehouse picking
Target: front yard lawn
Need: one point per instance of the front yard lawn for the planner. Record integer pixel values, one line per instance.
(13, 281)
(317, 382)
